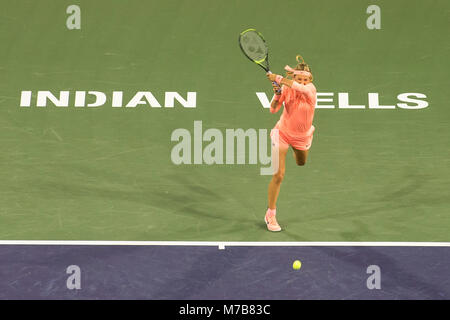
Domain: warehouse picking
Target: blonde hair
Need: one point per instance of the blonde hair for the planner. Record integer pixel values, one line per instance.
(301, 65)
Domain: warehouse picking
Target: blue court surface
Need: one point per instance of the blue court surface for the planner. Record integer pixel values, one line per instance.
(230, 271)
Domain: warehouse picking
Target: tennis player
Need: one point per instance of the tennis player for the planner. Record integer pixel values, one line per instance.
(295, 129)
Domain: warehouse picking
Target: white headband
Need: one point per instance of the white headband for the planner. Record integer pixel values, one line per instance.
(294, 71)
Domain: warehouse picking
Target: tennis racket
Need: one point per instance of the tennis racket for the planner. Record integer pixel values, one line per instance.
(255, 48)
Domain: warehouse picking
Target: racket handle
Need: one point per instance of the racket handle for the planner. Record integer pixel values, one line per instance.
(274, 82)
(279, 90)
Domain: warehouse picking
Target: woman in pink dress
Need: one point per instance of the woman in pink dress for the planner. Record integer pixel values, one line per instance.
(294, 128)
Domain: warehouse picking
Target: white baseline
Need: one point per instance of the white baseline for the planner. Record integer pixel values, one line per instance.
(222, 244)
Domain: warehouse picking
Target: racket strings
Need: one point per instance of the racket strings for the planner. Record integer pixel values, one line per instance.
(254, 46)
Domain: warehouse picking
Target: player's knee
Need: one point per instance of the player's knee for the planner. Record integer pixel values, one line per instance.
(278, 177)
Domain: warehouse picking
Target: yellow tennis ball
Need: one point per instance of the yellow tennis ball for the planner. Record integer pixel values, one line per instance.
(297, 265)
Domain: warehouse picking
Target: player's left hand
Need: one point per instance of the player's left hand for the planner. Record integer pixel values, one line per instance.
(276, 88)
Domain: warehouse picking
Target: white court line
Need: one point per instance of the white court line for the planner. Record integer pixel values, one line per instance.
(222, 244)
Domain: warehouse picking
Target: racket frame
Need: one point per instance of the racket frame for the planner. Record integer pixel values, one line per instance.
(258, 62)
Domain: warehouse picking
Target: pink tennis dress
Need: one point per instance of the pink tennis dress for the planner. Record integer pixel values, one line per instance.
(295, 125)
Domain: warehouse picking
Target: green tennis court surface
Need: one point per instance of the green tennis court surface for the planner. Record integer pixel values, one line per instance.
(105, 173)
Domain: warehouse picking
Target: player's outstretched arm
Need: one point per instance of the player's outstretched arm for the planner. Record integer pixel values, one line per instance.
(308, 89)
(280, 80)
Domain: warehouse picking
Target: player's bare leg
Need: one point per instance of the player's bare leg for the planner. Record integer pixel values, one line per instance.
(277, 178)
(300, 156)
(274, 189)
